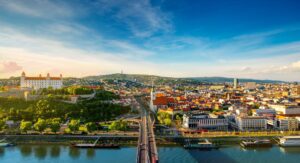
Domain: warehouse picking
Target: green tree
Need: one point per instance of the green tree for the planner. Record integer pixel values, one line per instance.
(25, 126)
(118, 125)
(40, 125)
(178, 117)
(113, 126)
(54, 124)
(2, 124)
(74, 125)
(161, 116)
(91, 126)
(167, 122)
(43, 108)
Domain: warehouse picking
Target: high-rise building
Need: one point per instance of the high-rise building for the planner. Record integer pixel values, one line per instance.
(235, 83)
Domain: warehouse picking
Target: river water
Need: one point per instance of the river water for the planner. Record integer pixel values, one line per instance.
(65, 154)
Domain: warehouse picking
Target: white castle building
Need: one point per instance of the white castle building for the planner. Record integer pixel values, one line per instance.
(41, 82)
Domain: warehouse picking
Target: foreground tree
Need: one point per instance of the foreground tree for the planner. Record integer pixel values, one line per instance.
(167, 122)
(91, 126)
(118, 125)
(25, 126)
(74, 125)
(54, 124)
(40, 125)
(2, 125)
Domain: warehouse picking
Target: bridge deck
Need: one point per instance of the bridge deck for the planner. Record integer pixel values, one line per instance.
(147, 151)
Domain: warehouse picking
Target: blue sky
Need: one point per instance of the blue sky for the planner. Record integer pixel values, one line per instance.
(245, 39)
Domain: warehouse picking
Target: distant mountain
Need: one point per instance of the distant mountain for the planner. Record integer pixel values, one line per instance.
(138, 77)
(149, 78)
(224, 79)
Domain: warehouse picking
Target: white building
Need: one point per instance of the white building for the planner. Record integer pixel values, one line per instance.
(287, 124)
(287, 110)
(261, 112)
(251, 123)
(41, 82)
(204, 121)
(250, 85)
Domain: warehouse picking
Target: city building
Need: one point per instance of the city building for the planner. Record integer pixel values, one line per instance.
(250, 85)
(248, 123)
(285, 109)
(296, 90)
(235, 83)
(204, 121)
(41, 82)
(264, 112)
(287, 124)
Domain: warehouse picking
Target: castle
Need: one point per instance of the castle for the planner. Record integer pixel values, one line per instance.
(41, 82)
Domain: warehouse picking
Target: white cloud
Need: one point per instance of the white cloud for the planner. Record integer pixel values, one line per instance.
(9, 67)
(39, 8)
(41, 55)
(76, 50)
(140, 16)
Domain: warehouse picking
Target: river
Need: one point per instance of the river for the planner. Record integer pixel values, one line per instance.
(65, 154)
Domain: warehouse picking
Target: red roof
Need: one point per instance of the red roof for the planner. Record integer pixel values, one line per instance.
(171, 100)
(42, 78)
(182, 98)
(185, 109)
(162, 100)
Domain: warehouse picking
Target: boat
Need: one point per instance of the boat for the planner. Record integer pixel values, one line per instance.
(206, 145)
(95, 145)
(4, 143)
(290, 141)
(256, 143)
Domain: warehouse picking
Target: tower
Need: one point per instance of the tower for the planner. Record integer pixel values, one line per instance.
(152, 97)
(22, 79)
(235, 83)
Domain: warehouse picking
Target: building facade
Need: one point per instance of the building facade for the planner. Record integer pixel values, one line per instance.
(286, 110)
(41, 82)
(251, 123)
(250, 85)
(287, 124)
(235, 83)
(204, 121)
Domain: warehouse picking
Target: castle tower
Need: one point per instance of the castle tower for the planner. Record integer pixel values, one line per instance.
(22, 79)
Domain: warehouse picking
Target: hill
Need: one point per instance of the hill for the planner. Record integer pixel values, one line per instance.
(148, 78)
(225, 79)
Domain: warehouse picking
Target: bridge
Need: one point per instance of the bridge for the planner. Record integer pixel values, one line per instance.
(147, 150)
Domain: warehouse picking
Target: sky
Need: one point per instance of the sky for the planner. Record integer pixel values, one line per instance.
(257, 39)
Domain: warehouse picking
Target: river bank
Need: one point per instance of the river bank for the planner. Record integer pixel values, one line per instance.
(122, 140)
